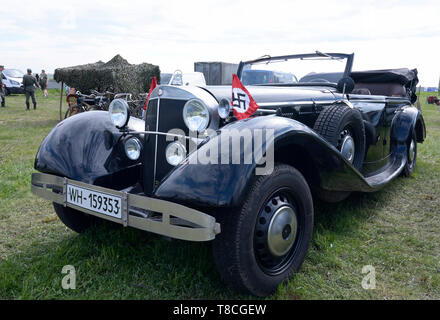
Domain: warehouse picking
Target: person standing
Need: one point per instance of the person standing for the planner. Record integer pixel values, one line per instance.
(29, 83)
(2, 87)
(44, 80)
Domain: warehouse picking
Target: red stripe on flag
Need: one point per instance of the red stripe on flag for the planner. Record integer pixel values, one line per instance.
(152, 86)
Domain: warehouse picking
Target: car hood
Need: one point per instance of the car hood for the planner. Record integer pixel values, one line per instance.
(266, 94)
(15, 79)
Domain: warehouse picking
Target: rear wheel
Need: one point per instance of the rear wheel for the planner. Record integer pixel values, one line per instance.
(266, 239)
(411, 156)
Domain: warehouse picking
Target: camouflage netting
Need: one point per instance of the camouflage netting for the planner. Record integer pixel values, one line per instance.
(116, 75)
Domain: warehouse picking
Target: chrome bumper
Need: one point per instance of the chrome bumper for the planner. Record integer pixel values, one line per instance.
(170, 219)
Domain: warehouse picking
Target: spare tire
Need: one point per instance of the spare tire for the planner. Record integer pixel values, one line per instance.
(342, 126)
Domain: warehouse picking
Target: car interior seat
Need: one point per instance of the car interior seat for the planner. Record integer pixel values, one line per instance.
(380, 89)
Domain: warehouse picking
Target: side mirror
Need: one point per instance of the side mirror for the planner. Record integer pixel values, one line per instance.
(345, 85)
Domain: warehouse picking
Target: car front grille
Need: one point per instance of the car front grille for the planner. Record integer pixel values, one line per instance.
(162, 115)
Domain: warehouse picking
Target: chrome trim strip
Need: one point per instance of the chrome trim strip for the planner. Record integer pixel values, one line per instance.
(368, 100)
(196, 225)
(266, 110)
(398, 101)
(295, 103)
(196, 140)
(160, 134)
(157, 137)
(384, 100)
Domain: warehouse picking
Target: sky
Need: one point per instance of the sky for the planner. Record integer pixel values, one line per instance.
(174, 34)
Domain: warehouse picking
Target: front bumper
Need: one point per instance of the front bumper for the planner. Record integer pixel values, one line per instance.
(15, 90)
(169, 219)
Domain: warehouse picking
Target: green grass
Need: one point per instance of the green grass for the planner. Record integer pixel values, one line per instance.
(396, 230)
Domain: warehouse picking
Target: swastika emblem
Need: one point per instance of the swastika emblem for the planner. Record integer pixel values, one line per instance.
(240, 100)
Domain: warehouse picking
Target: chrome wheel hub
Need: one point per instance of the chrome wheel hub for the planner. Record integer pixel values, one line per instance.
(282, 231)
(347, 146)
(276, 233)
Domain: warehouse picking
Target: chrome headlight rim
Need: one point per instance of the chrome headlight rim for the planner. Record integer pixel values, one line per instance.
(182, 149)
(201, 126)
(224, 108)
(133, 141)
(118, 120)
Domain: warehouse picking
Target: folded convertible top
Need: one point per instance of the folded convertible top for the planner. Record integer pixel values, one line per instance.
(403, 76)
(406, 77)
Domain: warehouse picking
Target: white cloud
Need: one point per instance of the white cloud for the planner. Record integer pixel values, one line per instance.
(175, 34)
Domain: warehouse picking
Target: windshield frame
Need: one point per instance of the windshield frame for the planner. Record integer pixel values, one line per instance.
(347, 71)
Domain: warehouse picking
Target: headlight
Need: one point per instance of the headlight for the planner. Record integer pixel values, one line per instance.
(133, 148)
(15, 83)
(196, 115)
(175, 153)
(224, 108)
(119, 114)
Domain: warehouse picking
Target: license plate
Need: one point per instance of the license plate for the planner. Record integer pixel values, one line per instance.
(104, 203)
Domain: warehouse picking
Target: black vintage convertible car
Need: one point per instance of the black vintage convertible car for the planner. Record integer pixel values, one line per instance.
(324, 134)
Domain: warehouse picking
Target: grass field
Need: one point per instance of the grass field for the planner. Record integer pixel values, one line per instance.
(395, 230)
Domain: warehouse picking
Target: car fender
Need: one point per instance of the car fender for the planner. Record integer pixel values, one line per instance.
(226, 185)
(86, 147)
(405, 121)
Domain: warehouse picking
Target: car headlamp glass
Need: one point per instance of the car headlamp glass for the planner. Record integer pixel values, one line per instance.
(133, 148)
(118, 111)
(224, 108)
(175, 153)
(196, 115)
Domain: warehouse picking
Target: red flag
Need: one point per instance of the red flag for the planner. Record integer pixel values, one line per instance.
(242, 102)
(152, 86)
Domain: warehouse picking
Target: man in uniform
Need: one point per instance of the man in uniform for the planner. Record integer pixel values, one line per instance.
(29, 83)
(2, 87)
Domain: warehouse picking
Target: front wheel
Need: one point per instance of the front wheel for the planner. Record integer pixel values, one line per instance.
(266, 239)
(74, 219)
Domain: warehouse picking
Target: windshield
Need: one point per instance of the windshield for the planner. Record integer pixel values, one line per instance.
(165, 78)
(295, 70)
(13, 73)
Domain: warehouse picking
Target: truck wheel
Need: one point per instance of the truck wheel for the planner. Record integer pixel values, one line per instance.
(411, 156)
(266, 239)
(74, 219)
(343, 127)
